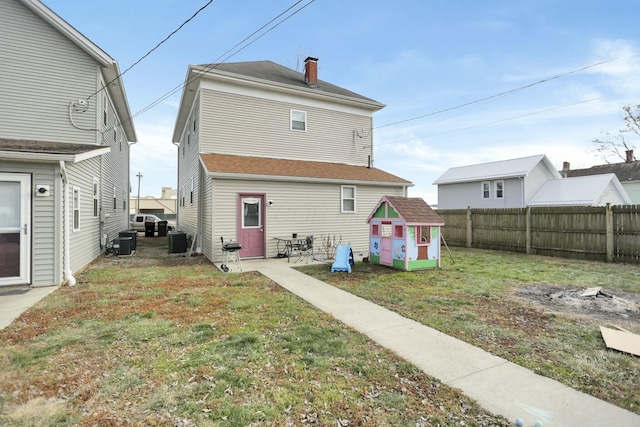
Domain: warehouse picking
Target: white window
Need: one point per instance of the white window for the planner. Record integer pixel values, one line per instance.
(298, 120)
(348, 199)
(104, 106)
(115, 199)
(486, 190)
(76, 208)
(191, 192)
(124, 200)
(96, 205)
(499, 189)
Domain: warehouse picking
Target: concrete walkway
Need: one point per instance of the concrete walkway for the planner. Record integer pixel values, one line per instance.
(497, 385)
(15, 301)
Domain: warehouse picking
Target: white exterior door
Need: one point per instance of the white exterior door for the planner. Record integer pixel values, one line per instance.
(15, 229)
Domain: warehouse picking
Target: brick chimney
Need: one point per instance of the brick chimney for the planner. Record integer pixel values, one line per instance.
(311, 71)
(566, 167)
(630, 157)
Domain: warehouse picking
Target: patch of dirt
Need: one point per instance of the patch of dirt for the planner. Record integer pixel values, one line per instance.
(604, 304)
(150, 252)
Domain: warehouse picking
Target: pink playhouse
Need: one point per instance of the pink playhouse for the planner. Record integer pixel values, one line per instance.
(404, 233)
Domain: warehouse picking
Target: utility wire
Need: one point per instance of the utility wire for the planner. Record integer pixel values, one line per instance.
(151, 51)
(218, 60)
(508, 92)
(490, 123)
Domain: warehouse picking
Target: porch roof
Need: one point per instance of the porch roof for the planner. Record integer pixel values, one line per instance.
(248, 167)
(19, 149)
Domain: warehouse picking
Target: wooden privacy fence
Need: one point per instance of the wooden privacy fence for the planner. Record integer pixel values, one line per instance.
(609, 233)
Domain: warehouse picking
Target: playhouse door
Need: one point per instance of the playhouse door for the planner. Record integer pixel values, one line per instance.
(251, 225)
(386, 245)
(15, 229)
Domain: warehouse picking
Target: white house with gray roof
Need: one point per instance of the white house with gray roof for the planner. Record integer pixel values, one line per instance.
(65, 131)
(522, 182)
(501, 184)
(265, 151)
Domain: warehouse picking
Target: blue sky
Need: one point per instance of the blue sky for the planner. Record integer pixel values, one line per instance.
(418, 57)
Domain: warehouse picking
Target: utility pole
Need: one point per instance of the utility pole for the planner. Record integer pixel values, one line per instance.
(138, 201)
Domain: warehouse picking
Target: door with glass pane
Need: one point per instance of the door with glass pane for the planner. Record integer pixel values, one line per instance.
(251, 225)
(15, 228)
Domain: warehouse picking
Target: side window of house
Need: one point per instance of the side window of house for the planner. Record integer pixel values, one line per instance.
(191, 192)
(76, 208)
(486, 190)
(96, 205)
(499, 189)
(115, 199)
(298, 120)
(104, 106)
(348, 199)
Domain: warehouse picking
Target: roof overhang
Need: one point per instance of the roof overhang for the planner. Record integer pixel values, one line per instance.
(249, 177)
(52, 157)
(196, 73)
(109, 66)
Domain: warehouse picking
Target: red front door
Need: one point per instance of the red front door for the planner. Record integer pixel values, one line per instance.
(251, 225)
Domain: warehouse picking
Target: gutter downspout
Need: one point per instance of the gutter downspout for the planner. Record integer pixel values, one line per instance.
(71, 281)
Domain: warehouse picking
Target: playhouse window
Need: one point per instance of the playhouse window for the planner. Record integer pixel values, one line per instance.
(398, 231)
(486, 190)
(375, 230)
(423, 235)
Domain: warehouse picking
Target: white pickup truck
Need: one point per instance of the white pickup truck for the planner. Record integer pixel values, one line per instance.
(136, 222)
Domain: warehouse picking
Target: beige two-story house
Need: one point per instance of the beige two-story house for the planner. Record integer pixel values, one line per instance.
(65, 131)
(265, 151)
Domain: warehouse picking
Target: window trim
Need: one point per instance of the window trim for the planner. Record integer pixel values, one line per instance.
(191, 192)
(75, 208)
(96, 197)
(499, 193)
(486, 184)
(419, 236)
(343, 198)
(291, 120)
(375, 230)
(398, 231)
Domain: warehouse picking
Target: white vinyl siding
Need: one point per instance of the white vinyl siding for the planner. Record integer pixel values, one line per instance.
(263, 127)
(46, 256)
(188, 177)
(321, 213)
(47, 72)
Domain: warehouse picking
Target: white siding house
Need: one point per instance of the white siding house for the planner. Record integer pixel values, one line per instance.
(64, 147)
(265, 151)
(527, 181)
(502, 184)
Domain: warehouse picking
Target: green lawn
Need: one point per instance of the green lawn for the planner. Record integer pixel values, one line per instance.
(474, 299)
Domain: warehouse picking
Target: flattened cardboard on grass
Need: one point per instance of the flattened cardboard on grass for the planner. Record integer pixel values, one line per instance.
(621, 340)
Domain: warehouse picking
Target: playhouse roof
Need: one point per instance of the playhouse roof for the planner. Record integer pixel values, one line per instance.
(412, 210)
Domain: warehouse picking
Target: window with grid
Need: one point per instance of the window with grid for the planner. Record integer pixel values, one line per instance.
(298, 120)
(348, 199)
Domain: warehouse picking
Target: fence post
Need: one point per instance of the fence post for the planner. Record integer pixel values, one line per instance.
(469, 228)
(528, 231)
(609, 232)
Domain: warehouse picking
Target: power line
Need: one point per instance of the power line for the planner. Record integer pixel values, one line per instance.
(215, 63)
(151, 51)
(491, 123)
(508, 92)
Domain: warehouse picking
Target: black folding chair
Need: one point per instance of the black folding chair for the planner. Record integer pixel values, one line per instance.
(230, 252)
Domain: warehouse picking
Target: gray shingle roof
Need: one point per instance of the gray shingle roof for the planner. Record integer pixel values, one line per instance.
(270, 71)
(625, 171)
